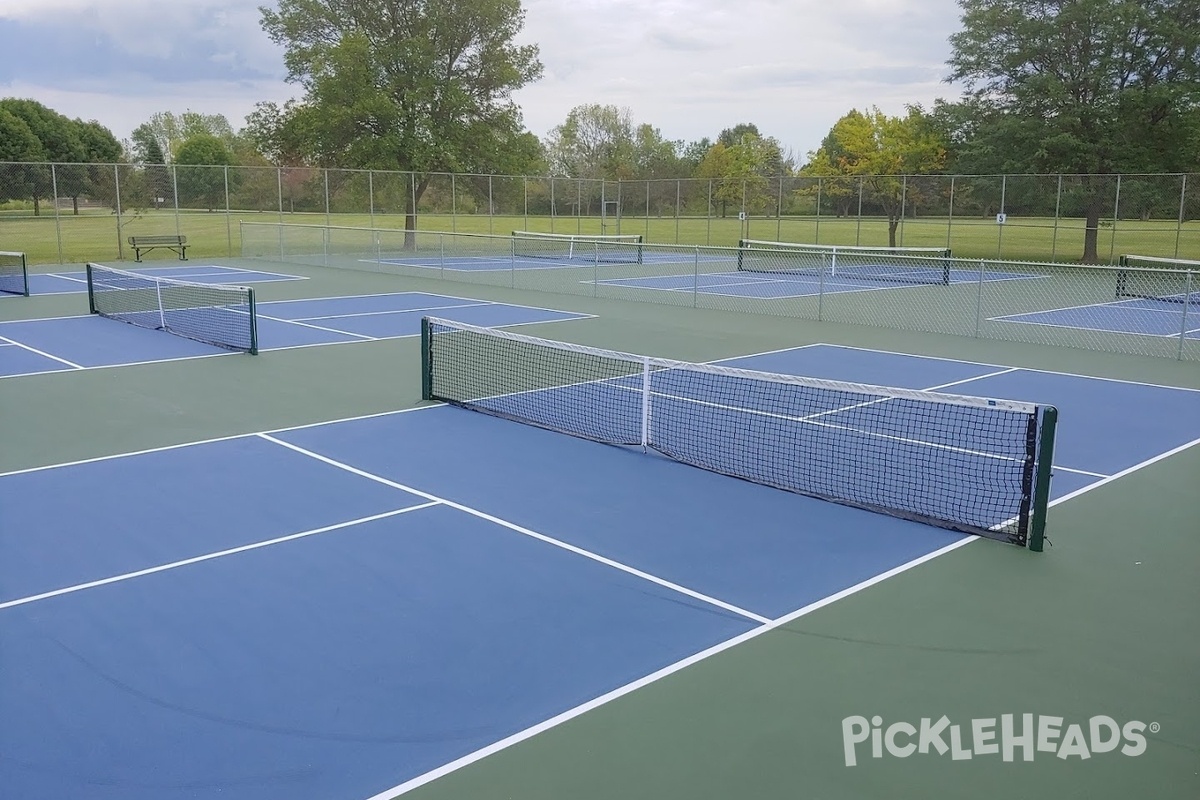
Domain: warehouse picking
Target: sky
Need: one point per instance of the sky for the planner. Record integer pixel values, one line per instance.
(688, 67)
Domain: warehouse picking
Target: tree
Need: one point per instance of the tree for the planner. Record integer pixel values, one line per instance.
(1090, 87)
(170, 131)
(200, 172)
(732, 136)
(155, 174)
(99, 147)
(693, 153)
(881, 150)
(17, 141)
(414, 85)
(594, 142)
(743, 173)
(274, 132)
(59, 142)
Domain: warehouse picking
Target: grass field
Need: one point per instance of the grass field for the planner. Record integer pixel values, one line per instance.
(100, 235)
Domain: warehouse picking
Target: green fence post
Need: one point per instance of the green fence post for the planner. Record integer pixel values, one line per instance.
(91, 293)
(253, 323)
(1041, 488)
(426, 361)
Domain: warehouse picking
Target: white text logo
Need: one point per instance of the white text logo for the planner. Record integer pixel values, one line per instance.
(1007, 737)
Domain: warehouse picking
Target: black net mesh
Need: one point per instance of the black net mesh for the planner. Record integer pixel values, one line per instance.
(956, 462)
(13, 278)
(623, 249)
(1167, 280)
(214, 314)
(835, 262)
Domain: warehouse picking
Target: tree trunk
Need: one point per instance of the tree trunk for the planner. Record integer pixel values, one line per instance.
(37, 206)
(1091, 234)
(1094, 184)
(411, 200)
(75, 205)
(893, 224)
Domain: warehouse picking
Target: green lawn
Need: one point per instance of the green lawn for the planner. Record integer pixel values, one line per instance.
(96, 235)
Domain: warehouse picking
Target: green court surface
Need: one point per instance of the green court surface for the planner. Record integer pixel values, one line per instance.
(1105, 622)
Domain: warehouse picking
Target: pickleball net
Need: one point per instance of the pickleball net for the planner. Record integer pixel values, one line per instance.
(969, 464)
(14, 275)
(609, 248)
(216, 314)
(1167, 280)
(928, 265)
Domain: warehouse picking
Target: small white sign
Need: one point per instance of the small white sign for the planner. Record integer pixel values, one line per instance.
(742, 216)
(1001, 219)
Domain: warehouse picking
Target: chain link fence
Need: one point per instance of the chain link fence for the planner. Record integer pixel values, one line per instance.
(60, 213)
(1145, 310)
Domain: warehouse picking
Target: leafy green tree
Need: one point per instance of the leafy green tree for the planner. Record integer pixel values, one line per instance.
(655, 156)
(417, 85)
(59, 141)
(594, 142)
(171, 130)
(157, 187)
(881, 150)
(1088, 87)
(693, 153)
(276, 132)
(200, 173)
(744, 173)
(17, 141)
(732, 136)
(100, 149)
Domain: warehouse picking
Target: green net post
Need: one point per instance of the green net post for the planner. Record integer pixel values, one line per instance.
(91, 293)
(1041, 488)
(253, 323)
(426, 361)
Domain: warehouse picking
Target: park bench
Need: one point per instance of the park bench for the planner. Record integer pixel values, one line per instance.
(176, 244)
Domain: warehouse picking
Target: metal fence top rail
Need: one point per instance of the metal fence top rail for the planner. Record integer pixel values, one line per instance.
(547, 177)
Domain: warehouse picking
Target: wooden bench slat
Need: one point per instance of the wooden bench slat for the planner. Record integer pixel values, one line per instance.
(176, 243)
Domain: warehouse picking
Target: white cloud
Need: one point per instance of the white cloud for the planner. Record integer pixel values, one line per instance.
(689, 67)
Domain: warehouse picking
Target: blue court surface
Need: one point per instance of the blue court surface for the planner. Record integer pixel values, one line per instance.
(75, 282)
(70, 343)
(375, 599)
(780, 286)
(1142, 316)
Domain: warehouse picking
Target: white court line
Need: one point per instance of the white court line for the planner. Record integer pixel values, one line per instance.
(224, 353)
(840, 288)
(1124, 304)
(654, 677)
(671, 669)
(430, 294)
(65, 278)
(976, 364)
(210, 556)
(1013, 321)
(397, 311)
(608, 562)
(362, 336)
(214, 440)
(41, 353)
(569, 316)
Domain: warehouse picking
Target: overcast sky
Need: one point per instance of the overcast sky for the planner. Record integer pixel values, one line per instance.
(688, 67)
